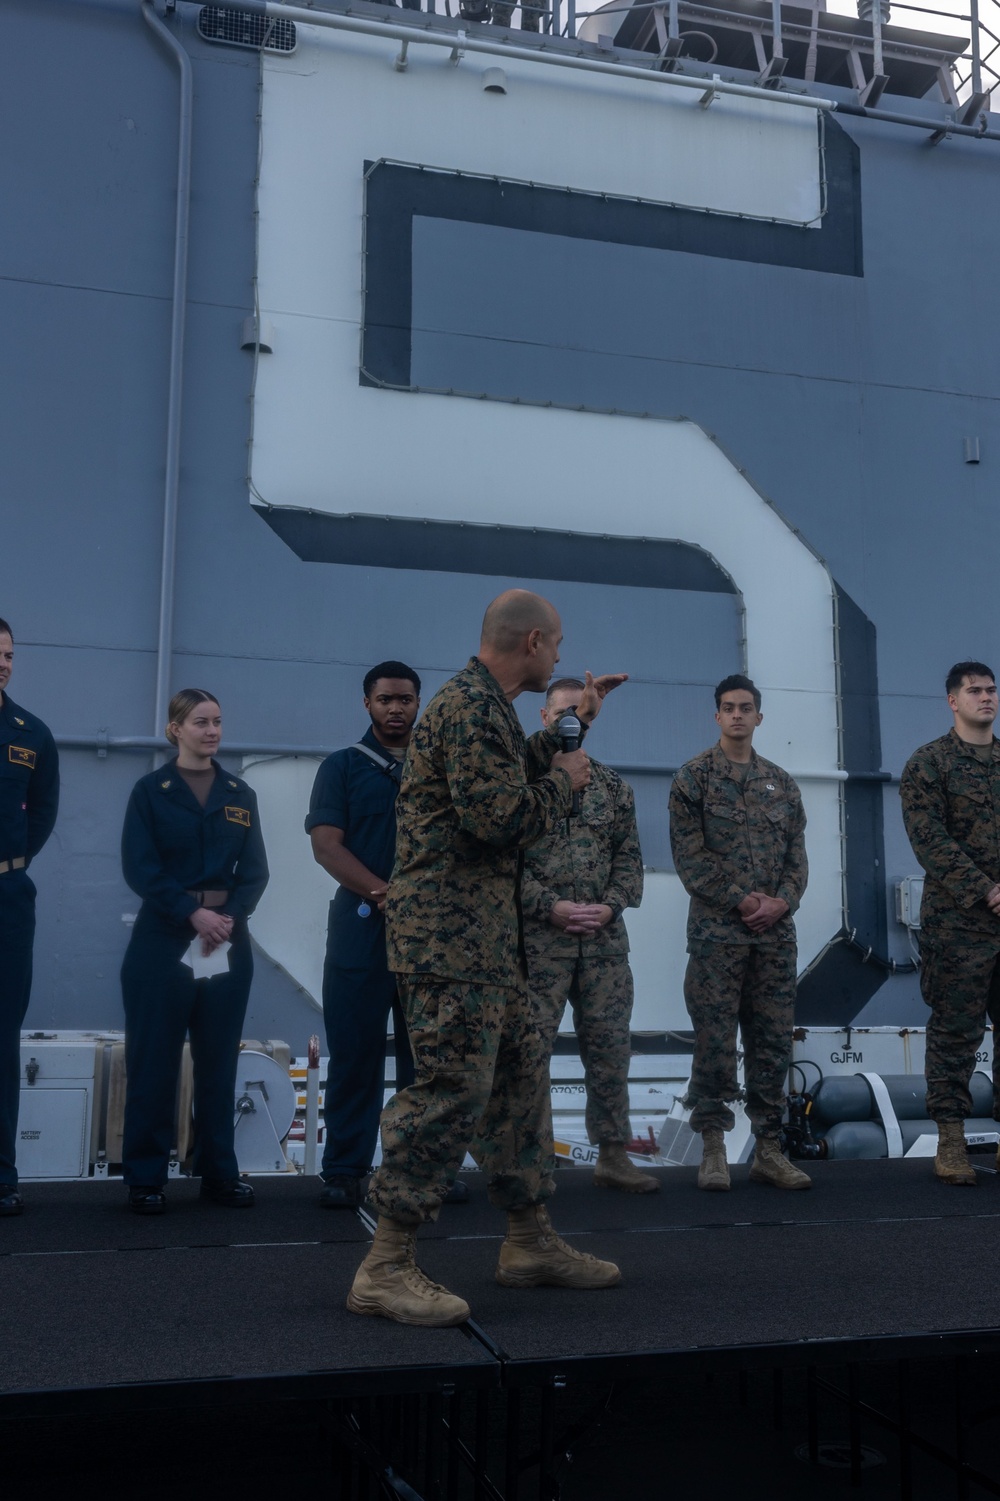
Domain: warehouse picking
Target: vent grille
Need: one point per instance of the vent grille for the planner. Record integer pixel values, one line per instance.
(238, 28)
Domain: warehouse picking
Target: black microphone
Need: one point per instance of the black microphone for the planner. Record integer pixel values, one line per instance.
(570, 734)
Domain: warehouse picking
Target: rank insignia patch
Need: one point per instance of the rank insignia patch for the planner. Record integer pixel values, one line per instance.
(19, 721)
(21, 756)
(234, 784)
(165, 785)
(239, 815)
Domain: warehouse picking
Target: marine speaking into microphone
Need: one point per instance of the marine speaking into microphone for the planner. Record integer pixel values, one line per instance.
(570, 735)
(474, 795)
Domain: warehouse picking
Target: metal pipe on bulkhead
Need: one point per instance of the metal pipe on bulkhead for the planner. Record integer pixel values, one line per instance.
(939, 128)
(171, 485)
(102, 743)
(415, 32)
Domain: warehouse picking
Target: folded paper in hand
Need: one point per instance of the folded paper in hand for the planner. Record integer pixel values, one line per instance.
(202, 967)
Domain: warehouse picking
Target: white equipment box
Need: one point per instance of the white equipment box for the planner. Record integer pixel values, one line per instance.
(56, 1113)
(72, 1097)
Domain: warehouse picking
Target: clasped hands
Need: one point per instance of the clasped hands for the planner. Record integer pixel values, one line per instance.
(581, 919)
(212, 927)
(760, 912)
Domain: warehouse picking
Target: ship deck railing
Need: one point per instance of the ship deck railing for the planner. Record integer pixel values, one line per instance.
(765, 41)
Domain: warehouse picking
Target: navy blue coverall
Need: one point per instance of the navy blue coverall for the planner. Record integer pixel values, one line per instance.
(171, 848)
(29, 799)
(353, 794)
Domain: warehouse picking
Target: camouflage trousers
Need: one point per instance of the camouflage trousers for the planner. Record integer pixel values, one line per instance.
(481, 1084)
(960, 981)
(751, 985)
(599, 990)
(500, 12)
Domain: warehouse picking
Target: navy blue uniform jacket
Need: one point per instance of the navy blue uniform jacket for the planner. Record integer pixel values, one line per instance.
(29, 782)
(171, 846)
(353, 794)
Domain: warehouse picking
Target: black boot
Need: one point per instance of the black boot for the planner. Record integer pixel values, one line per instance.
(231, 1192)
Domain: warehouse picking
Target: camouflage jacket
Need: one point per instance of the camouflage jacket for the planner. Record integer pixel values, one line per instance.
(951, 809)
(592, 858)
(730, 838)
(474, 793)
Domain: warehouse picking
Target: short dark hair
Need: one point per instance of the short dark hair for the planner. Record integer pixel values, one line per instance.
(561, 683)
(967, 670)
(734, 681)
(5, 629)
(391, 670)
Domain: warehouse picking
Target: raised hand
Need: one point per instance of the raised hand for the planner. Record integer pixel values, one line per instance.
(594, 693)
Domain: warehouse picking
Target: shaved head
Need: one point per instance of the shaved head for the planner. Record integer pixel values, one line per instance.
(512, 616)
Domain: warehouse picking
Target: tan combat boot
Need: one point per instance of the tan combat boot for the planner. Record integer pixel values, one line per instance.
(713, 1173)
(533, 1255)
(615, 1170)
(771, 1166)
(391, 1285)
(951, 1162)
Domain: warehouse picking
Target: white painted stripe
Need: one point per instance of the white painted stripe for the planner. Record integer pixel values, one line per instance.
(893, 1135)
(323, 442)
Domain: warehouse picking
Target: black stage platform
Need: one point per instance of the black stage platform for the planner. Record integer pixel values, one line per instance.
(107, 1312)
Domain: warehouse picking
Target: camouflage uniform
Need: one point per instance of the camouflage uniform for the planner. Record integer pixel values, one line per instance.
(533, 13)
(593, 858)
(731, 837)
(951, 809)
(474, 793)
(500, 12)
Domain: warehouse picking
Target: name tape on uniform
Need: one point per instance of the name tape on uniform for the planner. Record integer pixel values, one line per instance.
(239, 815)
(21, 756)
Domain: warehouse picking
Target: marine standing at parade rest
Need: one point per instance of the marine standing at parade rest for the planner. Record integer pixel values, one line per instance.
(737, 830)
(475, 794)
(352, 826)
(29, 799)
(192, 850)
(578, 880)
(950, 792)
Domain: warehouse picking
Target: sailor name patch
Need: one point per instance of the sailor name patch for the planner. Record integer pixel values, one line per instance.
(239, 815)
(21, 756)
